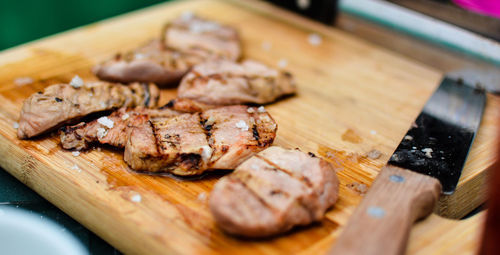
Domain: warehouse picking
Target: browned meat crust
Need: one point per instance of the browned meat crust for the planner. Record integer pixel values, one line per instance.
(190, 32)
(62, 103)
(274, 191)
(82, 135)
(192, 143)
(184, 42)
(224, 82)
(152, 62)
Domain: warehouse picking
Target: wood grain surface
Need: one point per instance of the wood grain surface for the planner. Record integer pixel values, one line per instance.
(353, 97)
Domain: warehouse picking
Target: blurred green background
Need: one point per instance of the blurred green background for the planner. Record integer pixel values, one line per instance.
(26, 20)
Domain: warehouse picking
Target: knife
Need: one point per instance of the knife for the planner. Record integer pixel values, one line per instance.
(427, 162)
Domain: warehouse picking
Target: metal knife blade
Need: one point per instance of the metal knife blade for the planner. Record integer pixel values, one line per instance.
(438, 142)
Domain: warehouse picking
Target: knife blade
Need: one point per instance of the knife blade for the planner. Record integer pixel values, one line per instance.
(427, 162)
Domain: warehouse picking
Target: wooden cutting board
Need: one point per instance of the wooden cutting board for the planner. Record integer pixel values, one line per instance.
(353, 97)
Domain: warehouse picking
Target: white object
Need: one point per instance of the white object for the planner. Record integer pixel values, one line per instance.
(76, 82)
(314, 39)
(136, 198)
(105, 121)
(26, 233)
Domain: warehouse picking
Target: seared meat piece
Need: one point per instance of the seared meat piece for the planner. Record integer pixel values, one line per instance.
(82, 135)
(274, 191)
(63, 103)
(190, 32)
(152, 62)
(185, 42)
(224, 82)
(192, 143)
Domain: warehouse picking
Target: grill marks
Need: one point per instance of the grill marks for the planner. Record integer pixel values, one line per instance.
(272, 192)
(82, 135)
(299, 177)
(224, 82)
(63, 104)
(191, 143)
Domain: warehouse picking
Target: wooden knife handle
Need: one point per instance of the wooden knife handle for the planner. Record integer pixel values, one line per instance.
(382, 222)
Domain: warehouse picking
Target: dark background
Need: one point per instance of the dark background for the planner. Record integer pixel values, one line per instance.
(26, 20)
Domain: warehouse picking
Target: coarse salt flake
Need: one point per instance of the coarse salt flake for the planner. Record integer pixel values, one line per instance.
(261, 109)
(314, 39)
(125, 116)
(15, 125)
(242, 125)
(303, 4)
(202, 196)
(187, 15)
(139, 56)
(23, 81)
(105, 121)
(266, 46)
(428, 152)
(136, 198)
(101, 132)
(75, 153)
(206, 153)
(250, 110)
(76, 82)
(76, 168)
(210, 121)
(408, 137)
(282, 63)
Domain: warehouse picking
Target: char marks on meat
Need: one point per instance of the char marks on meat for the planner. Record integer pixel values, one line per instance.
(82, 135)
(62, 104)
(274, 191)
(224, 82)
(185, 42)
(191, 143)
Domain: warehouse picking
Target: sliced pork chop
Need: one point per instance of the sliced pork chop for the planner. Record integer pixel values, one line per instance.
(192, 143)
(113, 129)
(152, 62)
(190, 32)
(274, 191)
(224, 82)
(82, 135)
(63, 103)
(185, 42)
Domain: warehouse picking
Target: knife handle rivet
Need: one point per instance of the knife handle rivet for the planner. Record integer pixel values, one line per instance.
(376, 212)
(396, 178)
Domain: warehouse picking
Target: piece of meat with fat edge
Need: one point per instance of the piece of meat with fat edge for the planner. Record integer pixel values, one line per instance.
(274, 191)
(223, 82)
(62, 104)
(192, 143)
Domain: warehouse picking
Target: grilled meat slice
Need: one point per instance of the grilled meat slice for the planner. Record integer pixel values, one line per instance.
(192, 143)
(192, 33)
(274, 191)
(185, 42)
(82, 135)
(224, 82)
(63, 103)
(152, 62)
